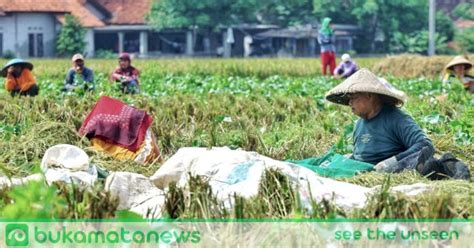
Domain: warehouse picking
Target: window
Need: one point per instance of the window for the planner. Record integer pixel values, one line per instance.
(39, 45)
(31, 45)
(35, 45)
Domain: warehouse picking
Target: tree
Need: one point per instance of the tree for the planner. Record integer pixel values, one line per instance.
(417, 42)
(283, 13)
(71, 37)
(191, 13)
(465, 11)
(340, 11)
(444, 26)
(379, 19)
(384, 18)
(195, 15)
(211, 13)
(465, 40)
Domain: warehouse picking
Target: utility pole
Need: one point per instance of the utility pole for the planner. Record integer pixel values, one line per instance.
(432, 28)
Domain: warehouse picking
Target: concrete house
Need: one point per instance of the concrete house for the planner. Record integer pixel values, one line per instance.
(30, 27)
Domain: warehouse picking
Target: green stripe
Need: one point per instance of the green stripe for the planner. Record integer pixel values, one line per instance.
(243, 220)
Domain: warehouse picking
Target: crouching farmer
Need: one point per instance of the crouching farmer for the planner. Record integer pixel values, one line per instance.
(346, 68)
(386, 136)
(18, 78)
(79, 76)
(126, 75)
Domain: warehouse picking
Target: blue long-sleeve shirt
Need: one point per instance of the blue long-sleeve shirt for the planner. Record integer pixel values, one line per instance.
(327, 42)
(391, 133)
(87, 76)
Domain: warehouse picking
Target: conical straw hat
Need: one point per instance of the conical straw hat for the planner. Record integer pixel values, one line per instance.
(364, 81)
(459, 60)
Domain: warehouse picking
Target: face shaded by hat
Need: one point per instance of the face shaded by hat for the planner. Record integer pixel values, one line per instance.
(124, 61)
(78, 62)
(16, 62)
(364, 81)
(459, 60)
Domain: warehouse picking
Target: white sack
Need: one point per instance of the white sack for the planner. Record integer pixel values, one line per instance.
(136, 193)
(68, 163)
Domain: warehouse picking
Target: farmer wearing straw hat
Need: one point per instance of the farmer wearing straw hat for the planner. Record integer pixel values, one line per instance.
(457, 70)
(346, 68)
(79, 75)
(327, 41)
(19, 79)
(386, 136)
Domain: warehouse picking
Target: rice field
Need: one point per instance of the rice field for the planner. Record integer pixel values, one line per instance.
(275, 107)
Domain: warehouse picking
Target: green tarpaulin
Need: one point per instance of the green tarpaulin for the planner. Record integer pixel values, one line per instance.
(334, 165)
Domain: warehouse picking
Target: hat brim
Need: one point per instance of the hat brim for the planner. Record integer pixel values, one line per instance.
(459, 60)
(343, 98)
(466, 66)
(25, 64)
(364, 81)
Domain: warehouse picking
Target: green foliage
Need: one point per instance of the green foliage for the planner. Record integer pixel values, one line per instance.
(283, 13)
(465, 40)
(444, 26)
(71, 38)
(105, 54)
(379, 17)
(33, 200)
(8, 54)
(338, 10)
(417, 43)
(465, 10)
(381, 20)
(191, 13)
(209, 14)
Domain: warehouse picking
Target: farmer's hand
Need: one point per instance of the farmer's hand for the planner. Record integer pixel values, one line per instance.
(386, 165)
(124, 79)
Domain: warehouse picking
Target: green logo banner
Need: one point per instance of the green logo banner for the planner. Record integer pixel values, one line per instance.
(235, 233)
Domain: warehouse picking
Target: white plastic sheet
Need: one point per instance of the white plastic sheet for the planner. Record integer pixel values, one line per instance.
(233, 172)
(237, 171)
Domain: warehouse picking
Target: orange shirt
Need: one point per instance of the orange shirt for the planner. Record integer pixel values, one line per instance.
(23, 82)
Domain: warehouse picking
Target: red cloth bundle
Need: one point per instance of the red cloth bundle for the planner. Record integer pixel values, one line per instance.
(115, 122)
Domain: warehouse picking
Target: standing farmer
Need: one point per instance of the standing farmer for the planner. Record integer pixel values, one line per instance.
(19, 79)
(327, 41)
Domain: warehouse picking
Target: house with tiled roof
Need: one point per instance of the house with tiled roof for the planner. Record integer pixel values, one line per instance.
(30, 27)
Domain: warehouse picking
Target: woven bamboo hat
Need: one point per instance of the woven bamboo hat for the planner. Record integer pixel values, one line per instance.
(364, 81)
(459, 60)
